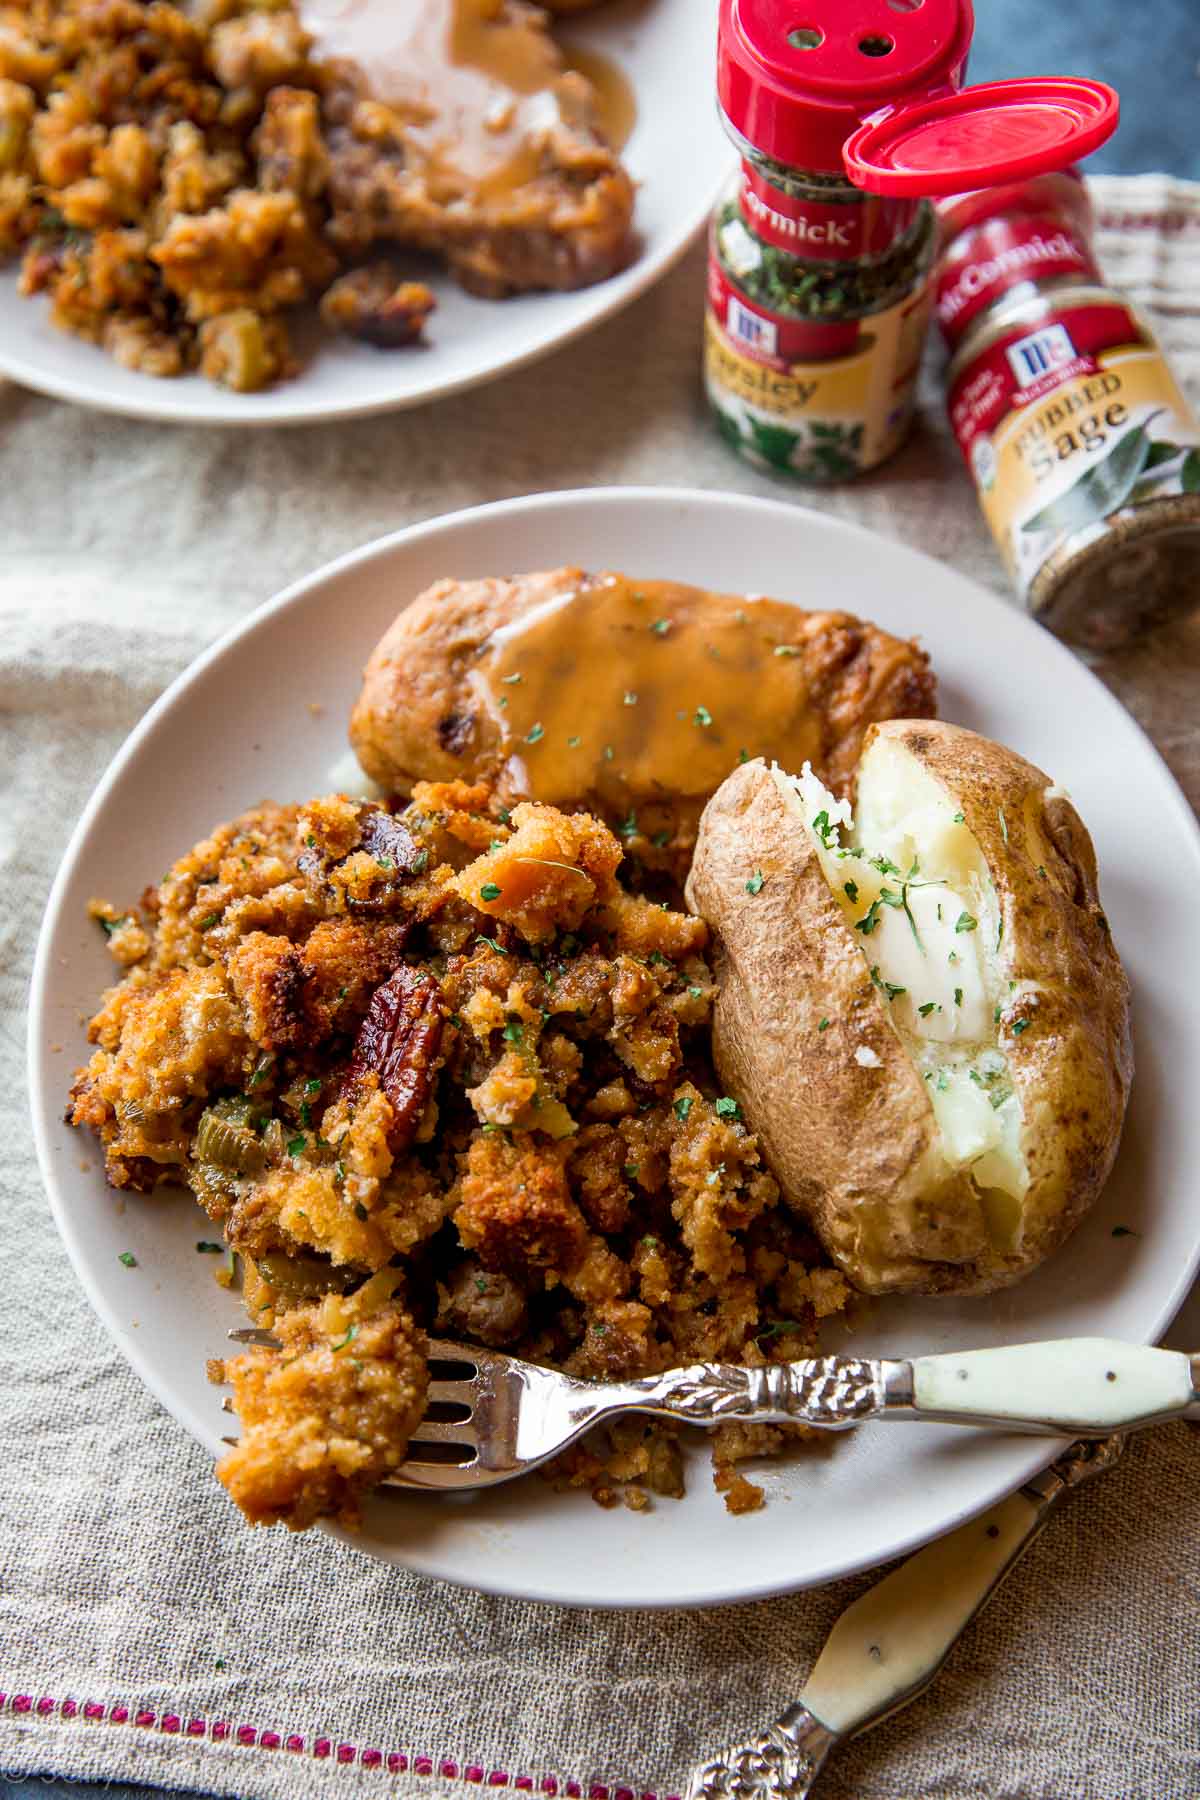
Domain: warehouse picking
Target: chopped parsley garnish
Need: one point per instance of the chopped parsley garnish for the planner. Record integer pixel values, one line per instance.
(787, 650)
(630, 697)
(958, 994)
(608, 752)
(823, 1025)
(339, 1173)
(348, 1339)
(661, 627)
(650, 1240)
(628, 826)
(942, 1082)
(996, 1014)
(850, 889)
(420, 861)
(630, 1171)
(514, 1031)
(207, 924)
(296, 1146)
(777, 1328)
(207, 1249)
(504, 815)
(743, 756)
(261, 1072)
(754, 885)
(869, 920)
(884, 865)
(959, 819)
(510, 680)
(481, 1284)
(493, 945)
(822, 827)
(108, 926)
(683, 1106)
(1041, 869)
(727, 1108)
(966, 922)
(695, 992)
(930, 1006)
(976, 1077)
(702, 716)
(305, 1113)
(1018, 1026)
(385, 862)
(129, 1259)
(489, 891)
(886, 987)
(535, 734)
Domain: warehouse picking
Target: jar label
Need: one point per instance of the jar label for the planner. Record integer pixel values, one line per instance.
(1065, 422)
(997, 255)
(819, 231)
(818, 411)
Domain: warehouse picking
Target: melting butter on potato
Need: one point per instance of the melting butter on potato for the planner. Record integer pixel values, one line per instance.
(920, 1006)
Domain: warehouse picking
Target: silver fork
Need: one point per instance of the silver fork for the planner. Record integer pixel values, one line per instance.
(492, 1417)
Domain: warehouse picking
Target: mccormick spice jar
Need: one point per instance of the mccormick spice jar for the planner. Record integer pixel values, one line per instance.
(847, 117)
(1084, 452)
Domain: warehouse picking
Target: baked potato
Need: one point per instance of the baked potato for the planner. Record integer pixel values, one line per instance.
(921, 1010)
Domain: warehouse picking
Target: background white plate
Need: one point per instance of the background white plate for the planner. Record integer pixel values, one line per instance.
(238, 727)
(677, 154)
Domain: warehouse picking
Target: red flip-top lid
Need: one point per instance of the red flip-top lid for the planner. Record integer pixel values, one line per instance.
(871, 87)
(1000, 131)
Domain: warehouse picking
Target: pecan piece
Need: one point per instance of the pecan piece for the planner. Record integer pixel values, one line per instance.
(399, 1040)
(389, 844)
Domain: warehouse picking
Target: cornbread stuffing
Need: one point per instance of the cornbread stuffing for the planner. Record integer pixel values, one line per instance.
(177, 178)
(439, 1070)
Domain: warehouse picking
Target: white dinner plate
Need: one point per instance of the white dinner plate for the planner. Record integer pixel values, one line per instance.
(677, 154)
(861, 1498)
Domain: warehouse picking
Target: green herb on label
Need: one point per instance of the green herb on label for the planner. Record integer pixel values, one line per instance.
(702, 717)
(966, 922)
(348, 1339)
(727, 1108)
(683, 1107)
(1100, 490)
(489, 891)
(128, 1258)
(754, 885)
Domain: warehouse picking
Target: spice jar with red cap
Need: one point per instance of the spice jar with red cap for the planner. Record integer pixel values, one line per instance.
(1083, 449)
(848, 116)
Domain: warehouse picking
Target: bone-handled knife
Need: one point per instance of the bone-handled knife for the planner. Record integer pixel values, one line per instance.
(888, 1645)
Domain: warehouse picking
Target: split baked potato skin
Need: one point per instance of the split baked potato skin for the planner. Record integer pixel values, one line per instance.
(803, 1039)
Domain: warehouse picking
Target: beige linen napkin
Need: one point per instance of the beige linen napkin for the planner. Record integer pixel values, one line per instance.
(144, 1634)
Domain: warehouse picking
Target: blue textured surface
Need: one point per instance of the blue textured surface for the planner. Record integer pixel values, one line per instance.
(1152, 55)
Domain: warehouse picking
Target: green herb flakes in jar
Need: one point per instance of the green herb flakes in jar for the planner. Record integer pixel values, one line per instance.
(821, 248)
(1084, 452)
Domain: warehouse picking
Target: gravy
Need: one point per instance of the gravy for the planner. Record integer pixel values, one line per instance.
(473, 89)
(624, 689)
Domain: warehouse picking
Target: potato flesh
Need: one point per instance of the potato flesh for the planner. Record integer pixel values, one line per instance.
(930, 951)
